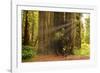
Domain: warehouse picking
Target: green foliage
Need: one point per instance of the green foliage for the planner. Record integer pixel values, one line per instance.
(85, 31)
(59, 34)
(87, 35)
(28, 52)
(84, 50)
(85, 38)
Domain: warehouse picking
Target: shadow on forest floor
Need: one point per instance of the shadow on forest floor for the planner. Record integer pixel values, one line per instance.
(55, 58)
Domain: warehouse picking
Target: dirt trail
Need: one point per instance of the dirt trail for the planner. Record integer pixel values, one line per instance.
(56, 58)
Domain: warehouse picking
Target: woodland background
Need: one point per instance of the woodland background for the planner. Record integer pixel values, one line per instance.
(46, 33)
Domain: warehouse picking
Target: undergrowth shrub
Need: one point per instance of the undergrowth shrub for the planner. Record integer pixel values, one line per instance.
(28, 52)
(84, 50)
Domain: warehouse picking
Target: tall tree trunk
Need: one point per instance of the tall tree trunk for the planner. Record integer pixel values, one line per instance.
(41, 32)
(48, 31)
(32, 39)
(58, 18)
(78, 30)
(26, 30)
(69, 36)
(45, 32)
(73, 35)
(51, 33)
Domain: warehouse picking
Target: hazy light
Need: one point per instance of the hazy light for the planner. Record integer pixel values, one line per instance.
(83, 20)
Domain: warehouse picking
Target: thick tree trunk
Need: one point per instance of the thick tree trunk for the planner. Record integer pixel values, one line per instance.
(74, 35)
(45, 34)
(50, 24)
(40, 32)
(78, 30)
(26, 30)
(69, 36)
(58, 18)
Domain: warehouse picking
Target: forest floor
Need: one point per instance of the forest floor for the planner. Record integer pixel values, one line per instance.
(56, 58)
